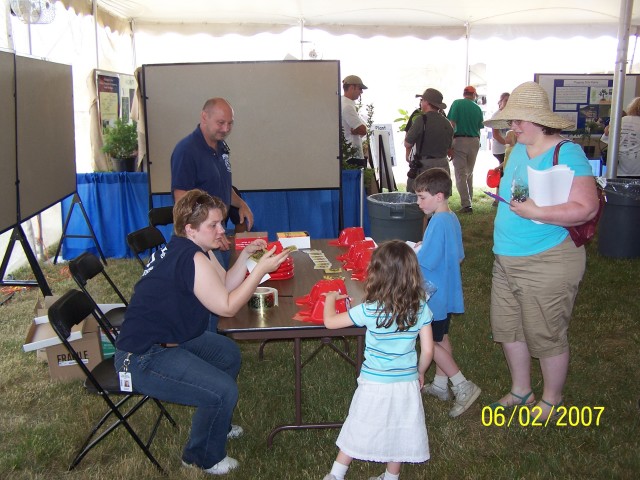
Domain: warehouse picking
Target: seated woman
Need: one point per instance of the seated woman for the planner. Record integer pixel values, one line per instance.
(164, 343)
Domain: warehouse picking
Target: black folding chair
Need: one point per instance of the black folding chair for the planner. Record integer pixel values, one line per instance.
(84, 268)
(161, 216)
(69, 310)
(146, 239)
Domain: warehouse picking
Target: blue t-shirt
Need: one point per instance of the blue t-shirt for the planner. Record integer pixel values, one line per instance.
(515, 236)
(439, 258)
(389, 355)
(163, 308)
(194, 164)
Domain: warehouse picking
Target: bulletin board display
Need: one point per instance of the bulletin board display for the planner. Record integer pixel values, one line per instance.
(45, 134)
(583, 98)
(286, 132)
(7, 142)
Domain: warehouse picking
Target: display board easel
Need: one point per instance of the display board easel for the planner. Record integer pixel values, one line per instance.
(76, 201)
(18, 235)
(386, 180)
(34, 175)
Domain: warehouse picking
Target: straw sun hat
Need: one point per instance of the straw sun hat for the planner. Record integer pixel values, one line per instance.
(529, 102)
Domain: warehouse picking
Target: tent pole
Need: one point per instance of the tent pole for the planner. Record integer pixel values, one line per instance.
(467, 29)
(94, 6)
(619, 74)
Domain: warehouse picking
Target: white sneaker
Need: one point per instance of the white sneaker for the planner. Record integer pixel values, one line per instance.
(329, 476)
(465, 394)
(440, 393)
(223, 467)
(379, 477)
(235, 432)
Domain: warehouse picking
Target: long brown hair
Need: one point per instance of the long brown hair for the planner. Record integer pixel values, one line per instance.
(394, 282)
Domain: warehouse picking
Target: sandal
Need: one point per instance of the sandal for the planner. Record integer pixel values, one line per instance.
(553, 413)
(522, 401)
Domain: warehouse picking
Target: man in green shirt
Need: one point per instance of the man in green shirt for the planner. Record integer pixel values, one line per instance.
(466, 117)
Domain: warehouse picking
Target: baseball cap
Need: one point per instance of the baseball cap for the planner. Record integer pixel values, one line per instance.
(470, 89)
(354, 80)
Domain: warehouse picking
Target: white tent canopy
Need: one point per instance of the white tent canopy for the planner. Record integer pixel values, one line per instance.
(421, 14)
(398, 47)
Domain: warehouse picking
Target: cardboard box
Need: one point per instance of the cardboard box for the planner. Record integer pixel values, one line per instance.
(298, 239)
(61, 364)
(85, 338)
(242, 239)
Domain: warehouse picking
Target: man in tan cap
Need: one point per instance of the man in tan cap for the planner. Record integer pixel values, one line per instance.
(466, 117)
(431, 133)
(353, 125)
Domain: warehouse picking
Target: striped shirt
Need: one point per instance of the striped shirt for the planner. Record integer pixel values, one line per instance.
(390, 355)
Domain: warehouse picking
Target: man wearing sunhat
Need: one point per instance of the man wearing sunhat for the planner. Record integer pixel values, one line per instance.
(431, 133)
(466, 117)
(352, 124)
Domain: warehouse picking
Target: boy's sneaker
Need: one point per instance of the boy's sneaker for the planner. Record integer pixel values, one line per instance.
(329, 476)
(223, 467)
(465, 394)
(235, 432)
(440, 393)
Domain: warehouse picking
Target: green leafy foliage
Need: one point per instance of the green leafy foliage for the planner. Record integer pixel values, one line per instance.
(121, 140)
(403, 119)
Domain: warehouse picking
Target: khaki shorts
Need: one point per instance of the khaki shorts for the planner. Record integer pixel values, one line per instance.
(532, 298)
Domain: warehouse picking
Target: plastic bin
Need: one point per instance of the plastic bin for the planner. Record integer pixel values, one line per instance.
(395, 215)
(619, 226)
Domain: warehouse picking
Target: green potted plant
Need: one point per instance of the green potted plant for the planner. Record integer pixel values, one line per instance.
(121, 144)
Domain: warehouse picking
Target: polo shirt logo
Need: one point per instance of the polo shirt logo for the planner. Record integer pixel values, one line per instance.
(227, 163)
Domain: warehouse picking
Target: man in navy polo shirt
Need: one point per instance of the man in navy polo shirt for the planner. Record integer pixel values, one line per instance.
(201, 160)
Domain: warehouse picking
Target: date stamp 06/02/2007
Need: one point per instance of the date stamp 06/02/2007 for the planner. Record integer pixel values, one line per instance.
(525, 416)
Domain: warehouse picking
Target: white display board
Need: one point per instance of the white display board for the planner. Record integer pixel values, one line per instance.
(382, 148)
(286, 133)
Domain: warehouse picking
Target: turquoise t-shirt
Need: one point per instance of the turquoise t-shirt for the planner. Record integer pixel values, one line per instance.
(516, 236)
(389, 355)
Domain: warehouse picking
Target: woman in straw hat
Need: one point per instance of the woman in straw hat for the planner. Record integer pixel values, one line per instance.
(537, 267)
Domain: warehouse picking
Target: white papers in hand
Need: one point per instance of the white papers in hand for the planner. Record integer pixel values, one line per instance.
(251, 264)
(551, 186)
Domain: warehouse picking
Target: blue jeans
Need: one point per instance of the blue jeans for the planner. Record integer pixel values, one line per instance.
(202, 373)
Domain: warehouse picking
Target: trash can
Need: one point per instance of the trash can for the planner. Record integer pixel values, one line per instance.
(395, 215)
(619, 226)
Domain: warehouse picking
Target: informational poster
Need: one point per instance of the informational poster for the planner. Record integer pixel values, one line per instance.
(385, 131)
(108, 99)
(116, 92)
(585, 99)
(383, 154)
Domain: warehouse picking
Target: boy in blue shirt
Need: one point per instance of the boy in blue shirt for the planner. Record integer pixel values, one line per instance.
(440, 255)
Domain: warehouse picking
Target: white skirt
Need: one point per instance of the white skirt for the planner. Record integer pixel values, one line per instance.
(385, 423)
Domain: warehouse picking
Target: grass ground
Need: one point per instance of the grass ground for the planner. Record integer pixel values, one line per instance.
(42, 423)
